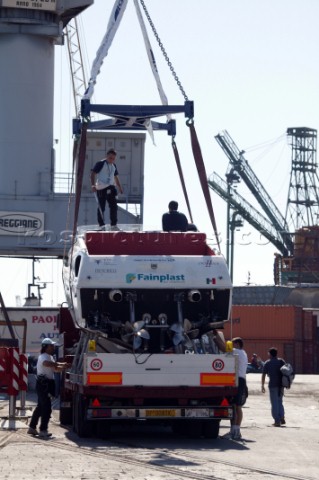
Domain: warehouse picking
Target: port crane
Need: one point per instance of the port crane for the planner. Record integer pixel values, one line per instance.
(283, 238)
(247, 211)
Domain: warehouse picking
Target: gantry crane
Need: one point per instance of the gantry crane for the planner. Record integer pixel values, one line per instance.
(303, 198)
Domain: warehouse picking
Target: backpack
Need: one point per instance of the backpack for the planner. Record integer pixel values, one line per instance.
(288, 375)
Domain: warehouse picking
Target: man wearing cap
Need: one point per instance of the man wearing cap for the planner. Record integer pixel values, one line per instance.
(45, 386)
(104, 175)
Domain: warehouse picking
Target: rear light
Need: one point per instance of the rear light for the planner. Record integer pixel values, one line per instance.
(99, 413)
(225, 413)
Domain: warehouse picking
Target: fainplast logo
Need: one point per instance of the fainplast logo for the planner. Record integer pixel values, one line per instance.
(164, 278)
(130, 277)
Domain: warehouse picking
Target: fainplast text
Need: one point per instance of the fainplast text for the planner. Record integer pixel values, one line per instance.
(161, 278)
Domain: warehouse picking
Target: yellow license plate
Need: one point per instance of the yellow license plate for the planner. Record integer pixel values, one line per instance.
(160, 413)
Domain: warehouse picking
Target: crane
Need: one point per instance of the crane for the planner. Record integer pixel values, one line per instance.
(303, 198)
(242, 167)
(78, 76)
(247, 211)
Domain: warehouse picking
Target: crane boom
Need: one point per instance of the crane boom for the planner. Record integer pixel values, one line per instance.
(79, 82)
(242, 167)
(247, 211)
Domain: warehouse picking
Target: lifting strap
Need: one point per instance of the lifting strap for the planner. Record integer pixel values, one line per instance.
(114, 22)
(202, 176)
(179, 168)
(79, 176)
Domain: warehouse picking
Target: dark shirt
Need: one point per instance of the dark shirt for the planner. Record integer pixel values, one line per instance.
(272, 369)
(174, 221)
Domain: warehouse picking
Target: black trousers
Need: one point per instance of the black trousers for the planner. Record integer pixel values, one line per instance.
(108, 195)
(43, 409)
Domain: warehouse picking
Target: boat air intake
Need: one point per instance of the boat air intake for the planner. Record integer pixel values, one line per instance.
(194, 296)
(115, 296)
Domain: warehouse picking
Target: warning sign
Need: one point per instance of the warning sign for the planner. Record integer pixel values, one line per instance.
(218, 364)
(96, 364)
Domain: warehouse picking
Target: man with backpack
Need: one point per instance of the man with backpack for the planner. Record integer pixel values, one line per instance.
(276, 391)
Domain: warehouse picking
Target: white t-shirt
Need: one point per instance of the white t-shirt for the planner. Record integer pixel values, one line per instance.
(242, 362)
(41, 369)
(105, 177)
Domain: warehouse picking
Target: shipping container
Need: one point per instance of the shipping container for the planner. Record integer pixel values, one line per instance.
(294, 331)
(265, 322)
(309, 324)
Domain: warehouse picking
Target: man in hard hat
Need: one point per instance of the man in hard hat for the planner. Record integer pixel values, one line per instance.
(45, 386)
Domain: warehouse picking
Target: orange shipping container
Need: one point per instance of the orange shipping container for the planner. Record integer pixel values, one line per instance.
(265, 322)
(261, 347)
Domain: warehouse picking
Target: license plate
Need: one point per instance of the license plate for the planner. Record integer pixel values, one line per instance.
(160, 413)
(197, 412)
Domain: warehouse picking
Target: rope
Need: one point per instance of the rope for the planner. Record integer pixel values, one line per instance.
(202, 176)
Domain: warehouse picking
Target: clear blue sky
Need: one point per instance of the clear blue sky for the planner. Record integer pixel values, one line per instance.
(251, 67)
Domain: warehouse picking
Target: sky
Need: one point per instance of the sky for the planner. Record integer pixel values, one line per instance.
(251, 68)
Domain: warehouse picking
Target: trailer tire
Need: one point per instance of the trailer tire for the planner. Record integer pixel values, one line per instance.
(211, 428)
(66, 415)
(103, 430)
(194, 428)
(81, 426)
(178, 428)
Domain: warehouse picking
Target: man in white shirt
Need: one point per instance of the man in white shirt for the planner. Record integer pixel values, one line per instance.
(242, 392)
(104, 176)
(45, 387)
(241, 396)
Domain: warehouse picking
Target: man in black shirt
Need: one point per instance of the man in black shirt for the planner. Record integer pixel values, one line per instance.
(272, 369)
(174, 220)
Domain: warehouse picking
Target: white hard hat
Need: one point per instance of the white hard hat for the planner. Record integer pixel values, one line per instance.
(48, 341)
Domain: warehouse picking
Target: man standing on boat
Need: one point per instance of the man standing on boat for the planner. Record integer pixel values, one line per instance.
(104, 175)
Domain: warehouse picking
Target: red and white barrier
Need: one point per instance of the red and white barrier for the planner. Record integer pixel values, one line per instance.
(23, 380)
(13, 387)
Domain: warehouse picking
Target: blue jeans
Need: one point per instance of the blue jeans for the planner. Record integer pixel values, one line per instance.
(277, 409)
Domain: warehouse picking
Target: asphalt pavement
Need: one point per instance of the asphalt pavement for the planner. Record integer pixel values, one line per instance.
(289, 452)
